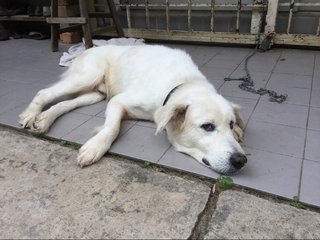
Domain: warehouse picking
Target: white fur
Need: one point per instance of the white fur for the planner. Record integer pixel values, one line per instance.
(136, 81)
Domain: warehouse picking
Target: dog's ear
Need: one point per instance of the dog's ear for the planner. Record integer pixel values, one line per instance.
(239, 124)
(167, 113)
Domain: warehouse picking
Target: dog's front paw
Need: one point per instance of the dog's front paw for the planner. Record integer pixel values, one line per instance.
(42, 123)
(27, 118)
(90, 153)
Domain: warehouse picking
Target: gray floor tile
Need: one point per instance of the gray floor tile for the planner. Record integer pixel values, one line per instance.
(275, 138)
(201, 55)
(297, 67)
(217, 62)
(186, 47)
(24, 74)
(147, 124)
(180, 161)
(314, 119)
(262, 62)
(67, 123)
(85, 131)
(93, 109)
(216, 75)
(141, 143)
(237, 54)
(247, 106)
(283, 80)
(6, 87)
(295, 62)
(315, 93)
(297, 87)
(317, 65)
(11, 117)
(310, 183)
(270, 172)
(286, 114)
(23, 93)
(231, 89)
(312, 151)
(258, 78)
(102, 113)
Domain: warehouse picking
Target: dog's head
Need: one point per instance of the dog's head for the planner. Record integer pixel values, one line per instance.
(206, 128)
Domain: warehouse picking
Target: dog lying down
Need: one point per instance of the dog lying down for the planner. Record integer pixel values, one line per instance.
(152, 83)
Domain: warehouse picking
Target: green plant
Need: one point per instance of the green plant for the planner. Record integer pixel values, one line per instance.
(225, 182)
(296, 203)
(146, 164)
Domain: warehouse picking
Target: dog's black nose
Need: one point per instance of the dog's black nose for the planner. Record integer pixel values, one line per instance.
(238, 160)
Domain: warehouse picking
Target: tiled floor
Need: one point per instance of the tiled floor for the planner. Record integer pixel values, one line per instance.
(282, 139)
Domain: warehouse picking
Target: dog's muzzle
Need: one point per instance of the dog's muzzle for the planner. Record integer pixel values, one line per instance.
(238, 160)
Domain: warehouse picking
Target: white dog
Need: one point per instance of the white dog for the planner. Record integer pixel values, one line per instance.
(151, 83)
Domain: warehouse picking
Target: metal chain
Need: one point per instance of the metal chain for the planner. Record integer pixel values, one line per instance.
(248, 84)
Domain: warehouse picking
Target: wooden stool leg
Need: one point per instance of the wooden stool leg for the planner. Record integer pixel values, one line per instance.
(54, 27)
(115, 17)
(85, 27)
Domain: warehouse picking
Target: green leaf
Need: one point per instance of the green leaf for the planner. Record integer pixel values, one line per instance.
(225, 182)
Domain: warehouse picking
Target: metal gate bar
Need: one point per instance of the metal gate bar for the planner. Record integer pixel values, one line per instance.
(147, 14)
(290, 16)
(318, 28)
(167, 16)
(212, 8)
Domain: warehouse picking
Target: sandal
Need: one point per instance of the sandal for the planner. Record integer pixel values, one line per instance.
(36, 36)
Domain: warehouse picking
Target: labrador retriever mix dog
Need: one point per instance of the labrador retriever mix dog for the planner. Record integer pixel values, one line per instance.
(151, 83)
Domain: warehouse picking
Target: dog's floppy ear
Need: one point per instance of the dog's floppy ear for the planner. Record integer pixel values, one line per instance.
(167, 113)
(239, 124)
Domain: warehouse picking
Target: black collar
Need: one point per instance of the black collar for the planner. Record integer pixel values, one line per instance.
(170, 93)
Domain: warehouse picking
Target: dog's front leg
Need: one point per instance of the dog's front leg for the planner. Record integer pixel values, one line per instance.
(98, 145)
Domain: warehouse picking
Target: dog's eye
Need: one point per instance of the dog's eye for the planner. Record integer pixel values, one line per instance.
(209, 127)
(231, 124)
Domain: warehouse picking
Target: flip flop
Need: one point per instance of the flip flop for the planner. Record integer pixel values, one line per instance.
(36, 36)
(16, 36)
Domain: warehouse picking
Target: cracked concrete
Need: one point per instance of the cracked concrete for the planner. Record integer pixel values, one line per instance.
(44, 194)
(243, 216)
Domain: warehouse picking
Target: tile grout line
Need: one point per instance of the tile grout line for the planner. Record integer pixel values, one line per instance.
(157, 162)
(73, 129)
(281, 154)
(200, 67)
(306, 132)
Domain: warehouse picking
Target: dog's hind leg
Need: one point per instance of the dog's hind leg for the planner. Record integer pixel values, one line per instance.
(99, 144)
(45, 119)
(73, 81)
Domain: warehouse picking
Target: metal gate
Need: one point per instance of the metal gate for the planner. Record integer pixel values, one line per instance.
(252, 22)
(308, 32)
(169, 10)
